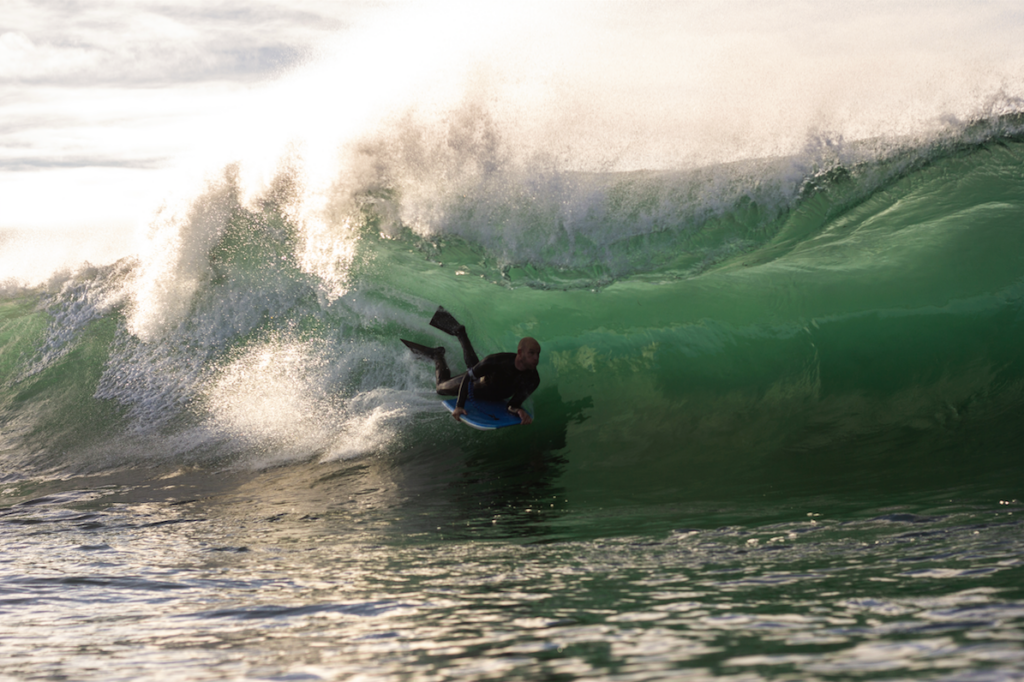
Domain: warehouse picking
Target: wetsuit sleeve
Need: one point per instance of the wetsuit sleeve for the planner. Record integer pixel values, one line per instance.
(500, 376)
(467, 380)
(478, 371)
(524, 387)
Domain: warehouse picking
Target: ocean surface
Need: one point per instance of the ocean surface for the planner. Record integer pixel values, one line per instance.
(778, 434)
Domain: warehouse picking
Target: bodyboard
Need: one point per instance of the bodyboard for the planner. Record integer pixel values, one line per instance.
(485, 415)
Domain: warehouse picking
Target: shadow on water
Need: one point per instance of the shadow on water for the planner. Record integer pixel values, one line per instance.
(506, 483)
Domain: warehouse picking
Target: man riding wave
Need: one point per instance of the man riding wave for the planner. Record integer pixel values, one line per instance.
(500, 376)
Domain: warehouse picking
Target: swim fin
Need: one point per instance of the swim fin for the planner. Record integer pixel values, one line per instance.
(425, 351)
(444, 321)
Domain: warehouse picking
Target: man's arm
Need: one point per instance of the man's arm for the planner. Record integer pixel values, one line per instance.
(460, 404)
(524, 388)
(467, 381)
(481, 369)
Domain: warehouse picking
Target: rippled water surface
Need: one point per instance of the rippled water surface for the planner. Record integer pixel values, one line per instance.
(121, 583)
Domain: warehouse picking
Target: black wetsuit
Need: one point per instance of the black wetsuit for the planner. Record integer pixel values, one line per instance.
(493, 378)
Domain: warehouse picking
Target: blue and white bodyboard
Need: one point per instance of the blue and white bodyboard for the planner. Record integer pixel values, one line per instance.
(485, 415)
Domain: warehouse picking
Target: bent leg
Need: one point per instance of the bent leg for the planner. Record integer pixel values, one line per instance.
(441, 372)
(447, 323)
(436, 355)
(468, 354)
(449, 386)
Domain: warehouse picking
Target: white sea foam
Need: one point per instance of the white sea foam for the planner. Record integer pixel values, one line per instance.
(447, 100)
(286, 400)
(175, 261)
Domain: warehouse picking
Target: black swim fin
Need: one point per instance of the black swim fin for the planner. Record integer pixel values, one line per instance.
(425, 351)
(444, 321)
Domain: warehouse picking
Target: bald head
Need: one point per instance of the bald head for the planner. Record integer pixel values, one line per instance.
(528, 342)
(527, 354)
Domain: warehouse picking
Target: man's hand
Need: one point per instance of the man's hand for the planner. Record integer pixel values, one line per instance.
(524, 416)
(457, 413)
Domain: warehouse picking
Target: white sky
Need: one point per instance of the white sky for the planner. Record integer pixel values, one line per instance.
(100, 99)
(108, 107)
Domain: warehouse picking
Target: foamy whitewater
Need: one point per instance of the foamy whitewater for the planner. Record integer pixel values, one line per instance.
(775, 260)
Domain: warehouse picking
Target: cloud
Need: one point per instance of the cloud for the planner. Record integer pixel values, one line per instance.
(154, 43)
(21, 59)
(29, 163)
(107, 106)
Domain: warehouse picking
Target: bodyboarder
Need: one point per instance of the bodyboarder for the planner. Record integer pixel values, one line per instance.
(500, 376)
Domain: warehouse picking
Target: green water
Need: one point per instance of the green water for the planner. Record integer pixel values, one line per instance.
(777, 437)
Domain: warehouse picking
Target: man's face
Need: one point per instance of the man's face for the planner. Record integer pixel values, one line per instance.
(528, 355)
